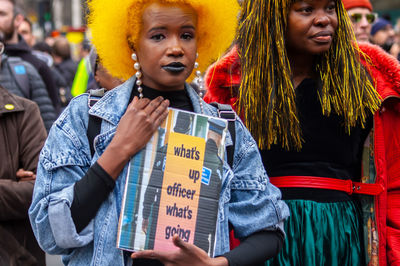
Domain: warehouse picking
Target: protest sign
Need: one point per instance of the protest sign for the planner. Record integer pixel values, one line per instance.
(173, 185)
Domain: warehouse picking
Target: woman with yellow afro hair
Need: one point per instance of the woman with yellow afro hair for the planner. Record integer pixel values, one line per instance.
(116, 33)
(154, 45)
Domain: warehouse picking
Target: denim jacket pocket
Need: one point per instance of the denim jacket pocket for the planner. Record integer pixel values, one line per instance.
(64, 158)
(102, 140)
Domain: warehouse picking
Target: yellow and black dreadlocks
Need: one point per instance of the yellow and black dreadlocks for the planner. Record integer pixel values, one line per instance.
(267, 96)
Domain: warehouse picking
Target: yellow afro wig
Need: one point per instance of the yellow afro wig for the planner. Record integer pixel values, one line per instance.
(116, 24)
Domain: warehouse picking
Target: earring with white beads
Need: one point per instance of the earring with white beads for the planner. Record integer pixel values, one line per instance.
(199, 81)
(199, 78)
(138, 75)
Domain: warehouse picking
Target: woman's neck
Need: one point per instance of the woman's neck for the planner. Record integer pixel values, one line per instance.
(178, 98)
(160, 87)
(301, 66)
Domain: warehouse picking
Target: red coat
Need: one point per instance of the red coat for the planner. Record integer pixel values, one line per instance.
(223, 79)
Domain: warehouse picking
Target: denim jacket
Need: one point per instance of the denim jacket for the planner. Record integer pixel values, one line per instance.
(248, 200)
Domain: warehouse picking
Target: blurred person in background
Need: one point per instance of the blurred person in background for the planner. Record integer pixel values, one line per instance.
(104, 79)
(84, 49)
(397, 38)
(44, 54)
(92, 75)
(49, 40)
(25, 30)
(22, 79)
(43, 51)
(397, 27)
(101, 78)
(368, 28)
(61, 52)
(362, 18)
(10, 19)
(22, 135)
(84, 76)
(383, 34)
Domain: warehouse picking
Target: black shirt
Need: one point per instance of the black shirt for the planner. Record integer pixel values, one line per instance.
(327, 151)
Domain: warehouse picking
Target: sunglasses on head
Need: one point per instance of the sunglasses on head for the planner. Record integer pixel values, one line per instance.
(356, 17)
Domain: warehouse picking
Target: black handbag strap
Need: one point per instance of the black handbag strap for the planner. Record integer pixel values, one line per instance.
(226, 112)
(93, 130)
(94, 124)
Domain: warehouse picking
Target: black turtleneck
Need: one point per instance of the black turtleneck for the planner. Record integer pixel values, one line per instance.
(93, 189)
(178, 99)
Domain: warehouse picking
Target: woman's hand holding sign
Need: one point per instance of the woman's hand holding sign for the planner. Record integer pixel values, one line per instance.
(139, 123)
(187, 254)
(136, 127)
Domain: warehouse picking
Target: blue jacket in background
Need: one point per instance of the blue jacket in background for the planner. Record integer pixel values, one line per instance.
(37, 89)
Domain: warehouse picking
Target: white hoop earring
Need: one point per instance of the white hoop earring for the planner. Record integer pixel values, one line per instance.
(138, 75)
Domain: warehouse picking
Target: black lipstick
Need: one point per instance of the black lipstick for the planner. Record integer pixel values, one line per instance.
(174, 67)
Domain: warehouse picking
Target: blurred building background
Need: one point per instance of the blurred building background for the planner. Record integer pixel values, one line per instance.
(70, 14)
(57, 17)
(55, 14)
(386, 4)
(389, 8)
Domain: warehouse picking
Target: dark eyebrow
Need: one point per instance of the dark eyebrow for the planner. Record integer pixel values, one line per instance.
(164, 28)
(157, 28)
(189, 27)
(305, 1)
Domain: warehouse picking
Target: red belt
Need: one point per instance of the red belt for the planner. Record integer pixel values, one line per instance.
(326, 183)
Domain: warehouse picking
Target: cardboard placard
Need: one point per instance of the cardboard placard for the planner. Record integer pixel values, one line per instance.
(173, 185)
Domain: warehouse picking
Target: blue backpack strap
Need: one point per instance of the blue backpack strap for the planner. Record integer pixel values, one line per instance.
(94, 124)
(226, 112)
(20, 74)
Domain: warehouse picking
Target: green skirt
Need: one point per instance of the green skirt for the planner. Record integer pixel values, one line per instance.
(321, 234)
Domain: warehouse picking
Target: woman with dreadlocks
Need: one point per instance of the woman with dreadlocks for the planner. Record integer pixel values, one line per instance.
(326, 115)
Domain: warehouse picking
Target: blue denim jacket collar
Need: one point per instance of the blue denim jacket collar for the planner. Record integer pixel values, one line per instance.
(111, 107)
